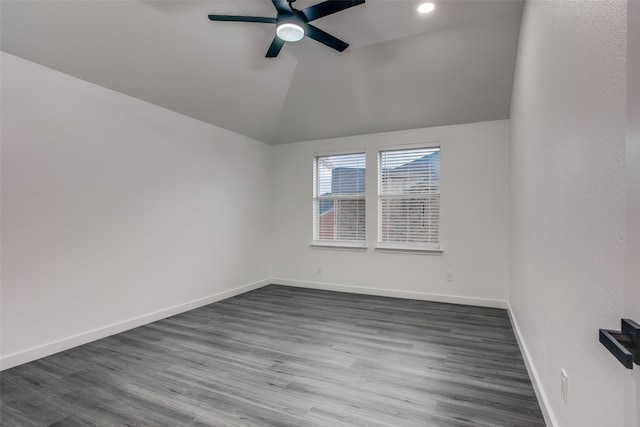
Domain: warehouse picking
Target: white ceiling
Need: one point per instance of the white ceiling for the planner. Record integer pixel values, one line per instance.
(402, 70)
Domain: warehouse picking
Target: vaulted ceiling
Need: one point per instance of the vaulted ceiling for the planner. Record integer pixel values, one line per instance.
(402, 70)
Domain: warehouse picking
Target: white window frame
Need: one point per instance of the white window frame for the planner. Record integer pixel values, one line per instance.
(406, 246)
(317, 198)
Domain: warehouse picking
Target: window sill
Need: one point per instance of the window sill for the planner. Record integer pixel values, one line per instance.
(339, 245)
(410, 249)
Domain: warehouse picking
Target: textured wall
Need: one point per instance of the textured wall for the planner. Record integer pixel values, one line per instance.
(632, 234)
(567, 201)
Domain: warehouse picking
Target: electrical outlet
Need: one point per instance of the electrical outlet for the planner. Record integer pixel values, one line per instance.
(319, 269)
(257, 266)
(449, 276)
(564, 385)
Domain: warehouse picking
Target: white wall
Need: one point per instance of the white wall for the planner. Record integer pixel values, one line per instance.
(474, 220)
(632, 234)
(116, 212)
(568, 202)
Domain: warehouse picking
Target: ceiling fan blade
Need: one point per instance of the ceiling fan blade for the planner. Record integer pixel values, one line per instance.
(282, 6)
(242, 18)
(327, 8)
(275, 48)
(325, 38)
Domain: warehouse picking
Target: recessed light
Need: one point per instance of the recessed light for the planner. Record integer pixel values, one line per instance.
(426, 7)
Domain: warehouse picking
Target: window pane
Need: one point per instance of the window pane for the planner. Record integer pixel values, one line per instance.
(410, 171)
(344, 220)
(339, 197)
(410, 220)
(409, 201)
(341, 175)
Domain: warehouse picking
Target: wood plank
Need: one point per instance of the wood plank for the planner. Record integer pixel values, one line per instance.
(289, 357)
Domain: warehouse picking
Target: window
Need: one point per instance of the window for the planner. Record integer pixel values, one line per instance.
(409, 198)
(339, 199)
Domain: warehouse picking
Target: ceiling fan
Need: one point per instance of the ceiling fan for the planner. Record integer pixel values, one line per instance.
(292, 24)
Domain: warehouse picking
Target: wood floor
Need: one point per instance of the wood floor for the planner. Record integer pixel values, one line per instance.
(282, 356)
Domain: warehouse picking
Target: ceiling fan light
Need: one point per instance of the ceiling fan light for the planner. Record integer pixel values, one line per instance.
(290, 32)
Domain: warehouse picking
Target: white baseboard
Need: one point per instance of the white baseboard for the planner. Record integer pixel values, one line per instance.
(48, 349)
(31, 354)
(543, 400)
(451, 299)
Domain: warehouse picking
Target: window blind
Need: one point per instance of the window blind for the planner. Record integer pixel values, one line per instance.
(339, 198)
(409, 197)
